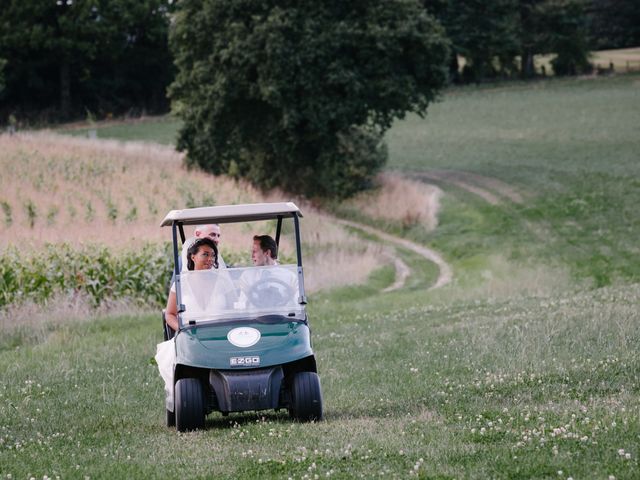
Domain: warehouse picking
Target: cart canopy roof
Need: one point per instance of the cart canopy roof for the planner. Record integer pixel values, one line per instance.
(231, 213)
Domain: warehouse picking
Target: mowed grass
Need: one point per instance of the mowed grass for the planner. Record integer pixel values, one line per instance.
(526, 366)
(465, 390)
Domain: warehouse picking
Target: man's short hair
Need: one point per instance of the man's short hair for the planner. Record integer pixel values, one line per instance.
(267, 243)
(199, 228)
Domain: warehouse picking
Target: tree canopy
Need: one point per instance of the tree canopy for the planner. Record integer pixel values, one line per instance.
(499, 38)
(69, 56)
(613, 23)
(297, 94)
(63, 58)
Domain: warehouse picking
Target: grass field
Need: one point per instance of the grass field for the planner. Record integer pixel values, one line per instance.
(163, 130)
(569, 148)
(526, 366)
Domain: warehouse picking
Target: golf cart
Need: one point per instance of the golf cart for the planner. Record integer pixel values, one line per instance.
(243, 339)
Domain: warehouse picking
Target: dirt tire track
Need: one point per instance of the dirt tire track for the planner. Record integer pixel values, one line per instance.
(488, 188)
(402, 273)
(445, 272)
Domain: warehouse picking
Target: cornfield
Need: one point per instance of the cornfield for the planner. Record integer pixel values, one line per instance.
(95, 272)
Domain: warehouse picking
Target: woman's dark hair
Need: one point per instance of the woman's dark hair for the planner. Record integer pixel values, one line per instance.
(195, 246)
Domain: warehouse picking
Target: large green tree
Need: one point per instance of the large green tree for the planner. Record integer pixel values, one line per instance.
(483, 32)
(556, 27)
(66, 56)
(492, 34)
(297, 94)
(567, 36)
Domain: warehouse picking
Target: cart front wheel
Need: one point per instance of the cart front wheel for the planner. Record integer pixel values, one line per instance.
(306, 397)
(189, 405)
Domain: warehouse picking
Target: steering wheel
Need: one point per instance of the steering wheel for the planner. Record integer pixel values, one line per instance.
(270, 293)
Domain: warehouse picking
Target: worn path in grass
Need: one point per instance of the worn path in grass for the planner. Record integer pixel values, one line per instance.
(489, 189)
(402, 270)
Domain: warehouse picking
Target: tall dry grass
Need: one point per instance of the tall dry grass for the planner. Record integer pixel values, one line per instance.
(34, 321)
(400, 199)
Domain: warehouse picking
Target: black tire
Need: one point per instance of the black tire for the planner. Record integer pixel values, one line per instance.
(171, 419)
(306, 397)
(189, 405)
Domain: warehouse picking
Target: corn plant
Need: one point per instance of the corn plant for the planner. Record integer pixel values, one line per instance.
(30, 209)
(112, 211)
(89, 213)
(6, 209)
(52, 213)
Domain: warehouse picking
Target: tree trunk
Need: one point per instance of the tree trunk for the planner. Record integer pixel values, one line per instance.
(454, 68)
(527, 68)
(65, 89)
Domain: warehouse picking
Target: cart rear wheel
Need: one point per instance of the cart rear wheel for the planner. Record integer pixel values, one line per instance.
(189, 405)
(306, 397)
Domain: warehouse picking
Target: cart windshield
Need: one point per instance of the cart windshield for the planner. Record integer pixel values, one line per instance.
(215, 295)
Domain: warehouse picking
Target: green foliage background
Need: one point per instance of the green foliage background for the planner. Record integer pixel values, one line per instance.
(67, 57)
